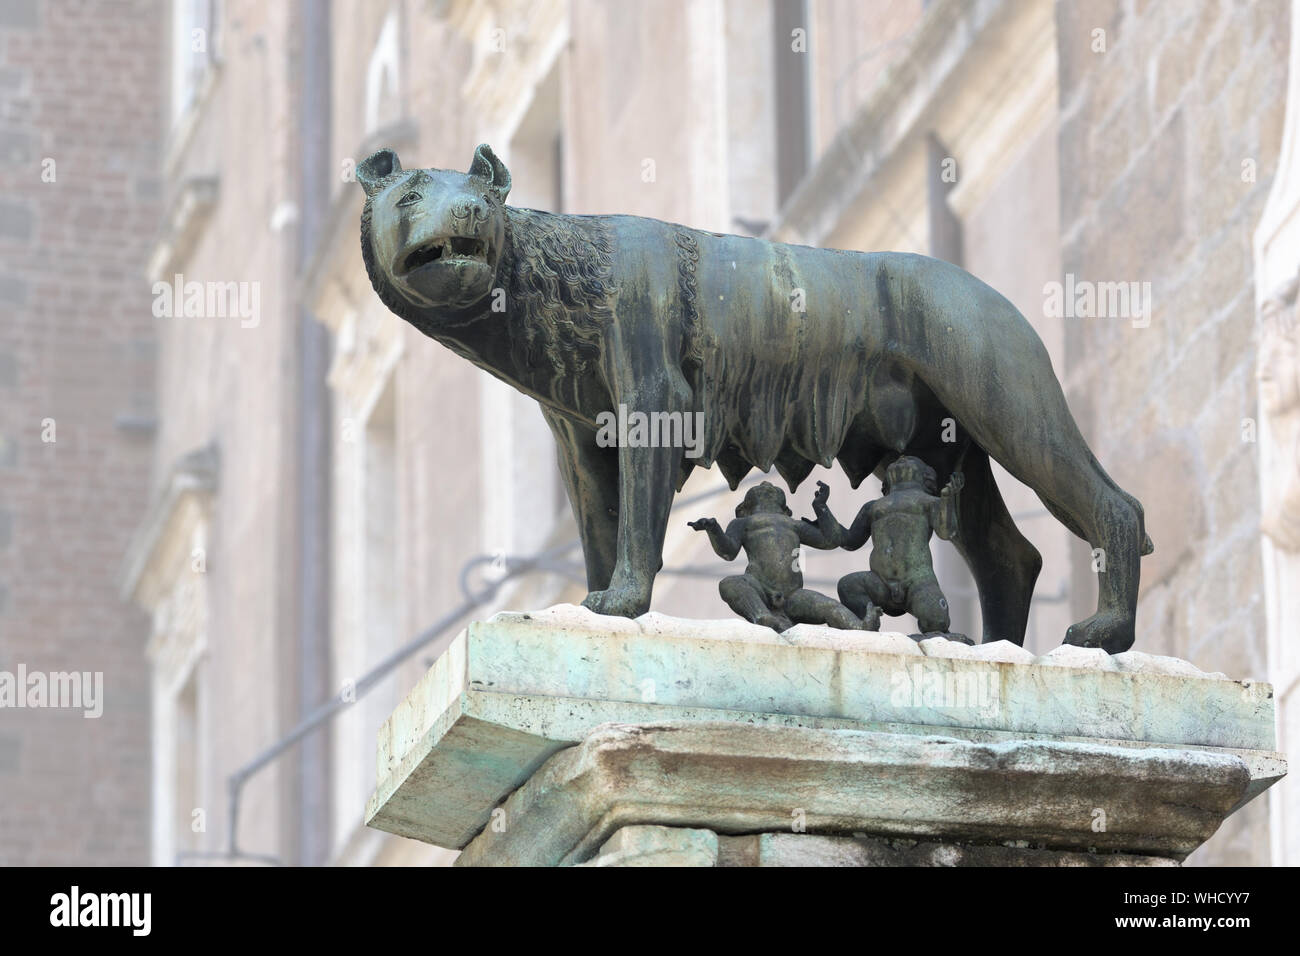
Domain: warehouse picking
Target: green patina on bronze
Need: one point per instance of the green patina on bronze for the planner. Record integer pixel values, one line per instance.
(793, 356)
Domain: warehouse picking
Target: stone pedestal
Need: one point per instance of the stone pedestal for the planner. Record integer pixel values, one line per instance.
(565, 738)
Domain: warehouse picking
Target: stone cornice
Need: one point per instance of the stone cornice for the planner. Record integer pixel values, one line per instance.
(336, 257)
(510, 692)
(1277, 237)
(189, 212)
(981, 75)
(161, 544)
(535, 32)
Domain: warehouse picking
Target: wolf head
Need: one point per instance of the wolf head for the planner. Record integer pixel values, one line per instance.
(433, 239)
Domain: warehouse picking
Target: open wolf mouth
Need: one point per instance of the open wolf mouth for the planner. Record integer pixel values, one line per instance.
(453, 249)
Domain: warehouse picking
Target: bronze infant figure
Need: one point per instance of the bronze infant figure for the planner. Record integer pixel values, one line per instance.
(901, 578)
(771, 591)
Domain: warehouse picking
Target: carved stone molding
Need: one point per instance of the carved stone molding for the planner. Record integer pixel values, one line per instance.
(978, 94)
(334, 278)
(367, 347)
(1277, 257)
(1279, 401)
(166, 565)
(189, 212)
(532, 33)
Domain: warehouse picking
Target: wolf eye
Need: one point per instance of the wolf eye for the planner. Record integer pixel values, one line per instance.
(409, 199)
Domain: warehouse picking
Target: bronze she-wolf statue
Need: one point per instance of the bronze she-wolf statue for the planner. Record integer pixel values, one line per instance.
(793, 356)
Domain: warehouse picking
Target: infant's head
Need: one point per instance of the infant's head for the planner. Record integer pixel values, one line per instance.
(763, 498)
(907, 469)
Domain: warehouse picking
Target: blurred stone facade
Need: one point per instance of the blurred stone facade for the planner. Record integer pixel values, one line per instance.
(80, 135)
(1027, 140)
(1158, 138)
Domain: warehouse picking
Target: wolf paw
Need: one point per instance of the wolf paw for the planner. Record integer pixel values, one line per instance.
(618, 602)
(1112, 631)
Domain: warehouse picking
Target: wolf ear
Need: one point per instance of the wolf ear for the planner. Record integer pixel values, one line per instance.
(375, 167)
(487, 166)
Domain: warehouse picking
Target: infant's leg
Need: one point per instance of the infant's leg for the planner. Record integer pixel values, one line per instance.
(930, 607)
(809, 607)
(744, 596)
(864, 593)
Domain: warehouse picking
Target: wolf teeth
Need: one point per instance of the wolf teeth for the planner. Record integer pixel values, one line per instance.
(452, 248)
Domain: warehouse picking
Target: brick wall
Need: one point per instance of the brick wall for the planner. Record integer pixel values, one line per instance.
(1158, 133)
(79, 86)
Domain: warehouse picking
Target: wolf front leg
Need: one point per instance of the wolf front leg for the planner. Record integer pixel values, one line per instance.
(590, 476)
(647, 480)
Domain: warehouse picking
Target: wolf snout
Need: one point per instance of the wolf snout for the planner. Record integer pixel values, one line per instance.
(473, 209)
